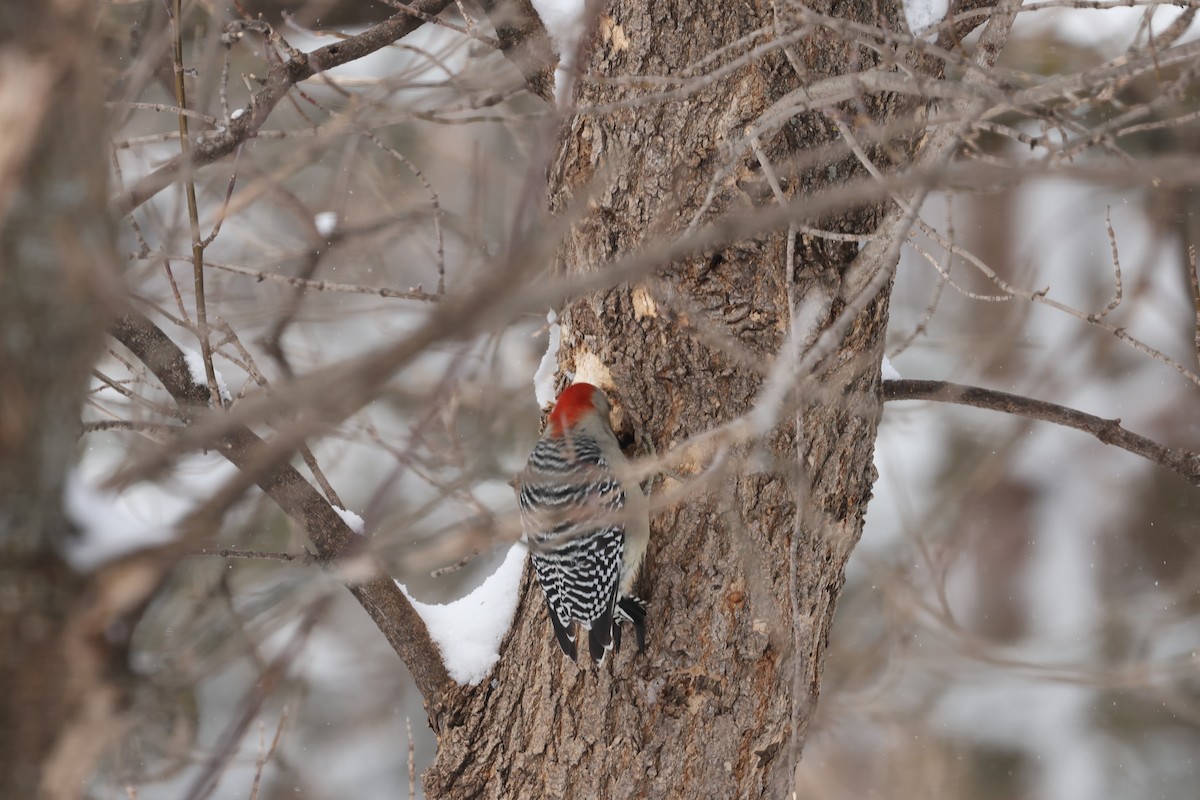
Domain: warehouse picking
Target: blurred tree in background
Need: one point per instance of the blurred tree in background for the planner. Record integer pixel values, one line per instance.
(293, 258)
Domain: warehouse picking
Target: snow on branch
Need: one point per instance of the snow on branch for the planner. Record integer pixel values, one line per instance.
(352, 520)
(468, 631)
(326, 529)
(195, 364)
(889, 372)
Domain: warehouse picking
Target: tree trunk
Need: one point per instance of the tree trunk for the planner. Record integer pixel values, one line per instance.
(56, 272)
(743, 574)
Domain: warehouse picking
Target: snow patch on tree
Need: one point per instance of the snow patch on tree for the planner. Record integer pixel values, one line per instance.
(564, 22)
(468, 631)
(543, 378)
(924, 14)
(889, 372)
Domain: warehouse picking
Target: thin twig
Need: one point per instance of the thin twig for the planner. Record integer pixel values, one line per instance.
(412, 761)
(225, 204)
(193, 209)
(304, 559)
(253, 701)
(179, 110)
(433, 202)
(328, 532)
(248, 364)
(278, 83)
(324, 286)
(935, 297)
(263, 758)
(1042, 296)
(1195, 278)
(138, 425)
(1116, 258)
(433, 20)
(260, 761)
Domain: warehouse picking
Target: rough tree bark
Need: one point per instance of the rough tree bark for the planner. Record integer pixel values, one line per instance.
(742, 577)
(57, 285)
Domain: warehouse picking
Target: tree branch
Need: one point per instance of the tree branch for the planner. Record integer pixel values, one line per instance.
(279, 81)
(331, 537)
(525, 42)
(1109, 431)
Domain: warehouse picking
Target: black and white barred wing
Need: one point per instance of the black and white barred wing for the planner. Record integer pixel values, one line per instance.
(571, 506)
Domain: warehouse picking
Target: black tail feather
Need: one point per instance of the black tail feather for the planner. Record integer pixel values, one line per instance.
(600, 637)
(564, 634)
(631, 609)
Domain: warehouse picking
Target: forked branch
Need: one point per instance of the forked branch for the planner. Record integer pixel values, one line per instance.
(331, 537)
(522, 39)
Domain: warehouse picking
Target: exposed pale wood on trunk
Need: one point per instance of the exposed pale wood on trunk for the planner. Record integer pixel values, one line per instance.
(708, 710)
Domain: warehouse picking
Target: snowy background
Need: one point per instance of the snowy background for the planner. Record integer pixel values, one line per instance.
(1018, 620)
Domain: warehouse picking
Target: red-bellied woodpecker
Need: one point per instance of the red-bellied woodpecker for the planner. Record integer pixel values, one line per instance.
(587, 523)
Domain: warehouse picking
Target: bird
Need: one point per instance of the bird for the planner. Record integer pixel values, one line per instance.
(587, 523)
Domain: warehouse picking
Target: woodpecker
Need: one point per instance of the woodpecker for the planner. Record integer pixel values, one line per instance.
(587, 522)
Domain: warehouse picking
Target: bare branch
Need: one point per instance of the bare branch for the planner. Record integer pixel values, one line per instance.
(193, 209)
(330, 535)
(1108, 431)
(323, 286)
(1118, 288)
(278, 83)
(524, 41)
(204, 783)
(229, 552)
(1194, 278)
(265, 755)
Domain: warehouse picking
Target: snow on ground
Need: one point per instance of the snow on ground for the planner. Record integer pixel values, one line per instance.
(468, 631)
